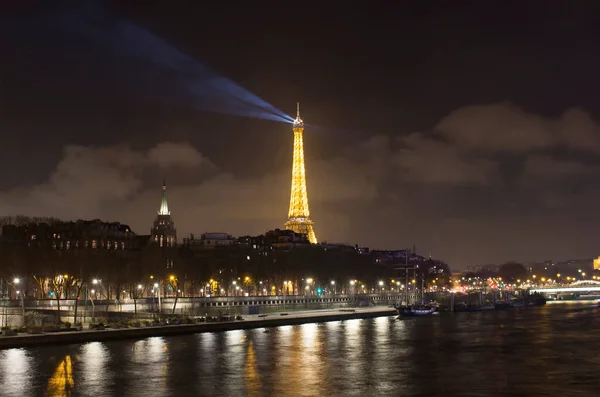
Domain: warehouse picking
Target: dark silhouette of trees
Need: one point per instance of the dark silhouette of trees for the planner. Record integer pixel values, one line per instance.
(512, 271)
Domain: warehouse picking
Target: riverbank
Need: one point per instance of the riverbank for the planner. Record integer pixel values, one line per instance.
(249, 322)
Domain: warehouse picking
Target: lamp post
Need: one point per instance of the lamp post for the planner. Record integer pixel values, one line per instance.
(5, 293)
(158, 293)
(93, 305)
(16, 281)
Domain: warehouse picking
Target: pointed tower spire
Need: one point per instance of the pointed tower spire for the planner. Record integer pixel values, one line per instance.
(163, 232)
(298, 123)
(164, 206)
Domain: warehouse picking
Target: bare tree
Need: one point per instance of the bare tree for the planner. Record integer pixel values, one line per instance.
(137, 291)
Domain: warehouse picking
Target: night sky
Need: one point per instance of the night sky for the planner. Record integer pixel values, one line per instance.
(468, 128)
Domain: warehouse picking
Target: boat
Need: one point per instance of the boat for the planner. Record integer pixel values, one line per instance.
(535, 300)
(415, 310)
(474, 308)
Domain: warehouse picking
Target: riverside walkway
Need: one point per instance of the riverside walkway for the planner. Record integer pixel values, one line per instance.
(249, 322)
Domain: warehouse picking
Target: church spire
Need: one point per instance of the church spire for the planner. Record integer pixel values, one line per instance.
(164, 206)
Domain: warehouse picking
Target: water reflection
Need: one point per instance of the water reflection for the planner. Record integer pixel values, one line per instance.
(61, 383)
(15, 372)
(539, 352)
(353, 347)
(252, 376)
(149, 361)
(94, 358)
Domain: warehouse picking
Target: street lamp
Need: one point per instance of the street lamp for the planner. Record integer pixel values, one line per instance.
(309, 281)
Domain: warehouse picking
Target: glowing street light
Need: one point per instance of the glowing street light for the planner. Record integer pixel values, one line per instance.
(309, 280)
(95, 281)
(16, 280)
(139, 286)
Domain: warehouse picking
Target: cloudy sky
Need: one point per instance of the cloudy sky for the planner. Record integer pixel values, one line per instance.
(469, 131)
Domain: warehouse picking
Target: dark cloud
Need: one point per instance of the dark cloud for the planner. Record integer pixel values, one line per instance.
(504, 127)
(426, 160)
(547, 168)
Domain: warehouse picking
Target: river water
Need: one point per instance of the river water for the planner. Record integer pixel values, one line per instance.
(546, 351)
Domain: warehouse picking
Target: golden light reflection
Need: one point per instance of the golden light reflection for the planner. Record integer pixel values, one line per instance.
(253, 383)
(61, 383)
(301, 365)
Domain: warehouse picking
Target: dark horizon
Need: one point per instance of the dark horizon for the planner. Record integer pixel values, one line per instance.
(467, 129)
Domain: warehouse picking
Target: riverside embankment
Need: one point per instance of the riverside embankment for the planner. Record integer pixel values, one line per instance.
(252, 321)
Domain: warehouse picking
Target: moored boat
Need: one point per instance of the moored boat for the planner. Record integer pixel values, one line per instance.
(535, 300)
(415, 310)
(474, 308)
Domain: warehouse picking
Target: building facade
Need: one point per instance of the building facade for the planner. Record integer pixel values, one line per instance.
(209, 241)
(79, 234)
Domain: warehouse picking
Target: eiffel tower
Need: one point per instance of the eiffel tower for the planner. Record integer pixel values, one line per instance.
(299, 216)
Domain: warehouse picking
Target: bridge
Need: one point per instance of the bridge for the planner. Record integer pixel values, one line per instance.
(577, 286)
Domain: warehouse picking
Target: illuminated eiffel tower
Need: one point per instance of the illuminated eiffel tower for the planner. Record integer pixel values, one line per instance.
(299, 215)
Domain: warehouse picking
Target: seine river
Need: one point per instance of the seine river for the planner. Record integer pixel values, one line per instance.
(546, 351)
